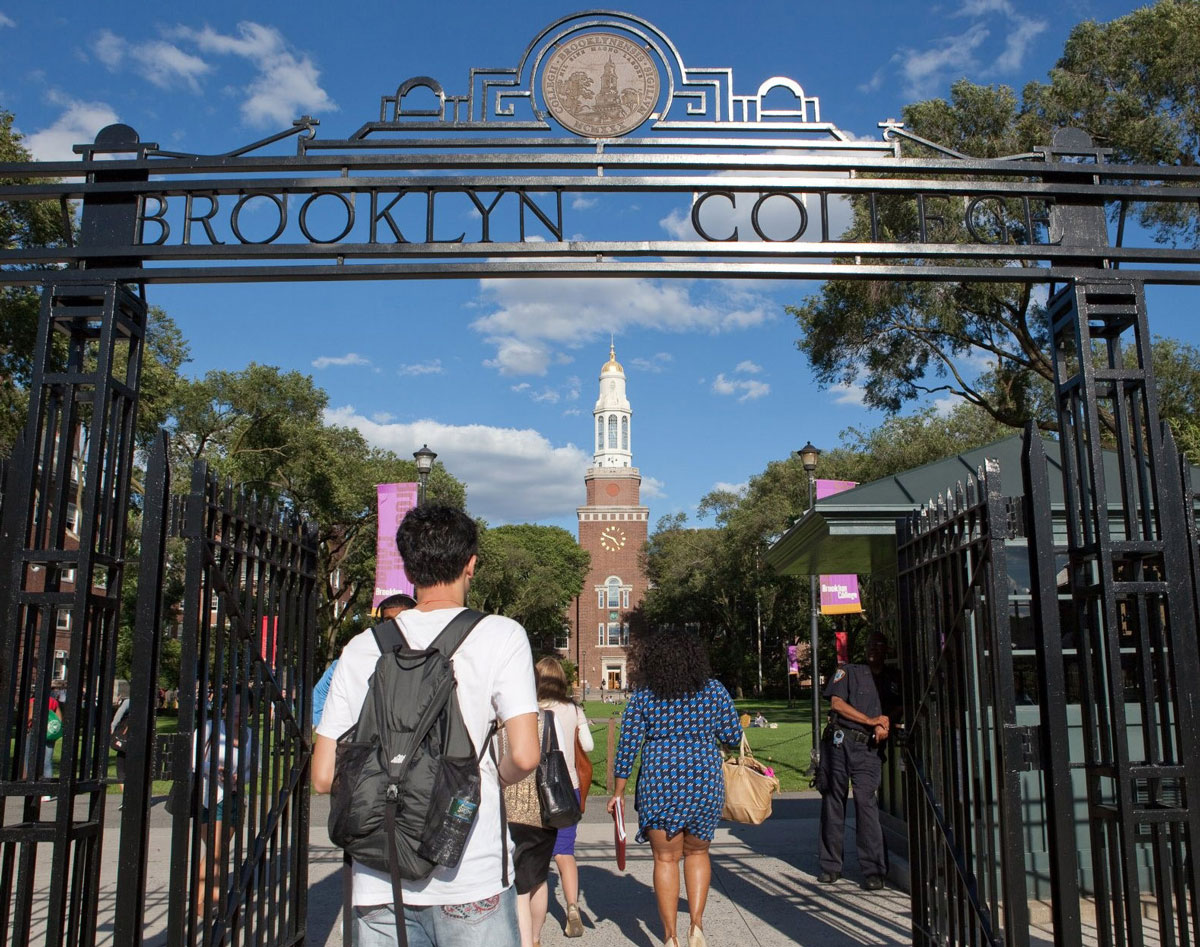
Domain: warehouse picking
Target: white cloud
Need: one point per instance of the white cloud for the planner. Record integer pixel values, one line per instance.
(383, 417)
(433, 367)
(656, 363)
(748, 368)
(1017, 43)
(350, 358)
(748, 389)
(737, 488)
(848, 394)
(77, 125)
(652, 488)
(923, 70)
(287, 82)
(533, 322)
(512, 475)
(7, 21)
(158, 61)
(583, 203)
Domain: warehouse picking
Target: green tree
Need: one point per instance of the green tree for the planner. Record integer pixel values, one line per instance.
(264, 429)
(22, 224)
(1132, 84)
(531, 574)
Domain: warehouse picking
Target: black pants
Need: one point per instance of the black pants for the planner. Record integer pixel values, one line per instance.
(862, 765)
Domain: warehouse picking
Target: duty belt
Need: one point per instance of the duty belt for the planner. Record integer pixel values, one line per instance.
(838, 734)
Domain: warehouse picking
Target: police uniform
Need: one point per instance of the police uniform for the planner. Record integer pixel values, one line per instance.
(849, 754)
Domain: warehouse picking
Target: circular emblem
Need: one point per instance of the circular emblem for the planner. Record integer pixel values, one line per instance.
(600, 85)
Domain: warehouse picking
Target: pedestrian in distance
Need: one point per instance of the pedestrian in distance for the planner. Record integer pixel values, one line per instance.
(570, 721)
(471, 904)
(676, 717)
(864, 703)
(533, 848)
(390, 607)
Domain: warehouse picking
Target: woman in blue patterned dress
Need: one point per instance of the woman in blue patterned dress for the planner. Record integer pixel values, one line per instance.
(676, 717)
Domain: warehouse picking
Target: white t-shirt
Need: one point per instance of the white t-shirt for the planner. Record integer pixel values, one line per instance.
(494, 671)
(569, 720)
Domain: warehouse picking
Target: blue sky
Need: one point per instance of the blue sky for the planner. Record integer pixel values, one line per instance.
(499, 377)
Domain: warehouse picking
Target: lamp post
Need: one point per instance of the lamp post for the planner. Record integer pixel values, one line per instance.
(808, 457)
(424, 458)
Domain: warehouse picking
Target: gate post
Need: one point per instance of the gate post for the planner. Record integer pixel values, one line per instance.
(1134, 608)
(62, 542)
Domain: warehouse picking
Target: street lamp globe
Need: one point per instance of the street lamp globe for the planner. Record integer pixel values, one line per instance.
(424, 458)
(808, 456)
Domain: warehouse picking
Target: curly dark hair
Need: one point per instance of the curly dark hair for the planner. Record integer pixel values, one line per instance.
(669, 661)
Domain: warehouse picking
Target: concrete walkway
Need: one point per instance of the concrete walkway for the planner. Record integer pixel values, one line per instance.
(764, 890)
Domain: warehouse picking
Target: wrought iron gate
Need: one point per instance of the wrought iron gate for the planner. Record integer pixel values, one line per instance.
(239, 850)
(1107, 749)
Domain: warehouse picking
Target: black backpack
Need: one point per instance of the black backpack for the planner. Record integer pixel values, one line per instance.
(406, 778)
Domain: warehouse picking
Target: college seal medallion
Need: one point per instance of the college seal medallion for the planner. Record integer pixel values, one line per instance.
(600, 85)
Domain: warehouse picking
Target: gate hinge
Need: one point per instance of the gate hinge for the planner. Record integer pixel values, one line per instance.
(1028, 741)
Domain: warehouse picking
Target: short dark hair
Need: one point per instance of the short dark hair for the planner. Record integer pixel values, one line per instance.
(436, 542)
(400, 600)
(670, 661)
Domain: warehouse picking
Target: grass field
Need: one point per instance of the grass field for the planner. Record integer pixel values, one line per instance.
(785, 748)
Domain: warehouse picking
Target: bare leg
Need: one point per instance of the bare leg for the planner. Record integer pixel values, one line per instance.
(697, 875)
(568, 874)
(208, 893)
(667, 853)
(538, 900)
(524, 920)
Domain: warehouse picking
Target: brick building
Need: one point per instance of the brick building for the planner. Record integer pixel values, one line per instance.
(613, 528)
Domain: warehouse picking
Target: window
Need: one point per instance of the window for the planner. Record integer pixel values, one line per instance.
(624, 598)
(60, 665)
(599, 598)
(62, 619)
(562, 641)
(599, 433)
(614, 632)
(67, 575)
(624, 433)
(614, 592)
(72, 518)
(600, 636)
(612, 432)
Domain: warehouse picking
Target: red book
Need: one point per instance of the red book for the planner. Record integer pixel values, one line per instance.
(619, 832)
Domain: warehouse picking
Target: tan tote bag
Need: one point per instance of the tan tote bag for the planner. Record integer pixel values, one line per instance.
(748, 789)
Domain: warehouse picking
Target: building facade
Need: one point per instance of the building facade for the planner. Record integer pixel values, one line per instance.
(613, 529)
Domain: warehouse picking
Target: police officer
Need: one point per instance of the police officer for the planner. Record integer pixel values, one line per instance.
(863, 699)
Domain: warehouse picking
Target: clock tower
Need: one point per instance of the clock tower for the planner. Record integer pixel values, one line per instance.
(613, 529)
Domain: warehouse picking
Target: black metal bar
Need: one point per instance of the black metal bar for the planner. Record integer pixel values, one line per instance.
(135, 826)
(1052, 696)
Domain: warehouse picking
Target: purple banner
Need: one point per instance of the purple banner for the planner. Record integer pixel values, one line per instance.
(839, 593)
(395, 500)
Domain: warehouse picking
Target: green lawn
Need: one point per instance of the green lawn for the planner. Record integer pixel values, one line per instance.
(785, 748)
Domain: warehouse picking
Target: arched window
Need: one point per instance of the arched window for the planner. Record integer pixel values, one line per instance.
(612, 432)
(624, 433)
(599, 433)
(614, 592)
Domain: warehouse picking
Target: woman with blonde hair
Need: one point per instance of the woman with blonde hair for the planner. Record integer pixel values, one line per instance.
(676, 717)
(569, 721)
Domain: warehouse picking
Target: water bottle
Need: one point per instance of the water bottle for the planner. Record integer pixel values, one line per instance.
(444, 846)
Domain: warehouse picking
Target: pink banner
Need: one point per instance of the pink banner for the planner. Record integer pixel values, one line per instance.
(395, 500)
(793, 660)
(839, 593)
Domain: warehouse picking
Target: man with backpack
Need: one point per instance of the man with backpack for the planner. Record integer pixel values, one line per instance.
(470, 902)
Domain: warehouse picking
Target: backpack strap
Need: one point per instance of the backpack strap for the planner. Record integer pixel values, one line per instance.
(388, 635)
(491, 746)
(456, 631)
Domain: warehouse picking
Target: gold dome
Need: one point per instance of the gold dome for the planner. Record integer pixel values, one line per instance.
(612, 365)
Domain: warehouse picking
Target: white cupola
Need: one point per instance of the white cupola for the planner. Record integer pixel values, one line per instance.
(612, 416)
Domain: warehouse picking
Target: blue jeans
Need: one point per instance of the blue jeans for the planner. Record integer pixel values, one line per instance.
(491, 922)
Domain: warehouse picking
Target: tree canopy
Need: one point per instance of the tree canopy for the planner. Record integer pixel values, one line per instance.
(1133, 85)
(531, 574)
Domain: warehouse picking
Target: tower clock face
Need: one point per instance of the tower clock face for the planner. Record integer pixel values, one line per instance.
(612, 538)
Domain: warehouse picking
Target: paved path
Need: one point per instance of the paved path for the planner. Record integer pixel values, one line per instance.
(764, 890)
